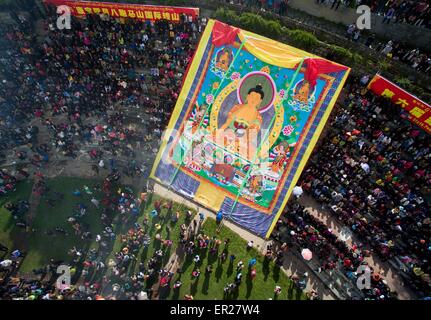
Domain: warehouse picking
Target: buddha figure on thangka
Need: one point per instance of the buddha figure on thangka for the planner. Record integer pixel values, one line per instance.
(225, 132)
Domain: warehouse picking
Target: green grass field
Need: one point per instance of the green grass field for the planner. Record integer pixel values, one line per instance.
(169, 230)
(41, 247)
(210, 286)
(10, 235)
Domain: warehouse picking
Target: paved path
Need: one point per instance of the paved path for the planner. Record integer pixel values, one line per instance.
(292, 265)
(394, 281)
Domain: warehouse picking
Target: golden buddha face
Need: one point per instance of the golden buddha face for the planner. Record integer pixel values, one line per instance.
(254, 99)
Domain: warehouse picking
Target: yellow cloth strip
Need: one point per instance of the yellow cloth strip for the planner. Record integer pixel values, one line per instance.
(274, 52)
(208, 196)
(271, 51)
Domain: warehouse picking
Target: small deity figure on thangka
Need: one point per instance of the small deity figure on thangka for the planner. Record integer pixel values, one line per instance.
(280, 154)
(222, 61)
(196, 117)
(301, 97)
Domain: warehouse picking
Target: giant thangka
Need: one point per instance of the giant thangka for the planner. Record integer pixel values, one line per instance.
(248, 116)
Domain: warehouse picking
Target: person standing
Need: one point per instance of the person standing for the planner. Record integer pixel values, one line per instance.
(350, 29)
(219, 217)
(356, 35)
(283, 7)
(388, 48)
(389, 15)
(370, 40)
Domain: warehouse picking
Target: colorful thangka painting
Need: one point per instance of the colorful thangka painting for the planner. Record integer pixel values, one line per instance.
(249, 113)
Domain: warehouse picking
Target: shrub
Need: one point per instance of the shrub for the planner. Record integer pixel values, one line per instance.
(302, 38)
(251, 22)
(255, 23)
(274, 29)
(341, 52)
(383, 65)
(404, 83)
(357, 58)
(408, 85)
(227, 16)
(426, 96)
(6, 4)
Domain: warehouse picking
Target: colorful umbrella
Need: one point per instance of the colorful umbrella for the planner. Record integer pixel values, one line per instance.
(306, 254)
(297, 191)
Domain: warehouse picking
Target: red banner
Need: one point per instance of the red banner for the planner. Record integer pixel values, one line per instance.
(123, 10)
(418, 111)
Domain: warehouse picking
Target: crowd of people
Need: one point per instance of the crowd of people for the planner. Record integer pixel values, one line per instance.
(418, 59)
(105, 89)
(84, 87)
(377, 180)
(299, 229)
(80, 86)
(402, 11)
(110, 271)
(117, 206)
(396, 11)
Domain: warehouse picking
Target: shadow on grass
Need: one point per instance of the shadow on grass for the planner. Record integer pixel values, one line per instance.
(149, 201)
(176, 294)
(164, 292)
(187, 262)
(229, 269)
(194, 287)
(212, 257)
(166, 256)
(206, 283)
(298, 295)
(276, 273)
(219, 272)
(144, 254)
(249, 283)
(157, 244)
(265, 268)
(290, 292)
